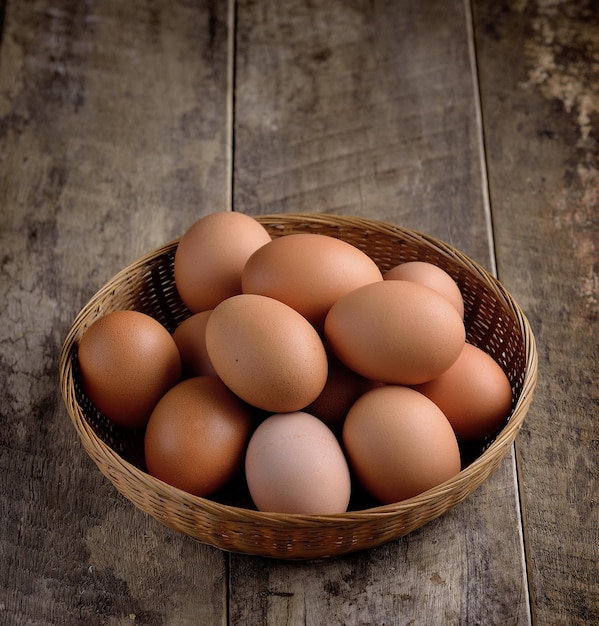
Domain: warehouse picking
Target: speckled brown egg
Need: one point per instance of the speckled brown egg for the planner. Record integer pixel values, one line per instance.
(128, 361)
(474, 394)
(399, 443)
(197, 435)
(308, 272)
(266, 352)
(211, 255)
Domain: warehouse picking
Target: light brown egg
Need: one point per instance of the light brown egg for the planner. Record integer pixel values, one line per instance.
(474, 394)
(211, 255)
(128, 361)
(294, 464)
(190, 337)
(308, 272)
(431, 276)
(197, 435)
(399, 443)
(395, 331)
(266, 353)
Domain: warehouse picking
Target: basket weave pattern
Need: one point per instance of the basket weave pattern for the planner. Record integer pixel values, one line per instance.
(494, 322)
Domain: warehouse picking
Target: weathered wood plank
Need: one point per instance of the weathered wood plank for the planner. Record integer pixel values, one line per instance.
(370, 109)
(361, 108)
(113, 138)
(94, 171)
(460, 569)
(539, 65)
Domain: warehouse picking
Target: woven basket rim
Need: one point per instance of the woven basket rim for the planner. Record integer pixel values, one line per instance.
(496, 450)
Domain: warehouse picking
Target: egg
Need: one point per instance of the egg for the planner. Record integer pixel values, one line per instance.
(127, 360)
(211, 255)
(474, 394)
(197, 435)
(431, 276)
(294, 464)
(266, 353)
(395, 331)
(308, 272)
(190, 337)
(399, 444)
(342, 389)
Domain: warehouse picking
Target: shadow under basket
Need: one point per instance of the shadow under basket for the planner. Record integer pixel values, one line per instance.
(494, 323)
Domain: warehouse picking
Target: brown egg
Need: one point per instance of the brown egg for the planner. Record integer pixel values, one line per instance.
(342, 389)
(399, 443)
(431, 276)
(294, 464)
(190, 337)
(197, 436)
(266, 353)
(309, 272)
(211, 255)
(395, 331)
(128, 361)
(474, 394)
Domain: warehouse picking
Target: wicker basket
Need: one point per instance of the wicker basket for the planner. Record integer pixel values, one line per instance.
(494, 322)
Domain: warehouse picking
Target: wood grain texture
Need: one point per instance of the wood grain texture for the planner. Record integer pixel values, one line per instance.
(369, 109)
(114, 136)
(463, 568)
(539, 64)
(112, 140)
(361, 108)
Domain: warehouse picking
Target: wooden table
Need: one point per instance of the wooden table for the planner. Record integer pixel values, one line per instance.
(121, 123)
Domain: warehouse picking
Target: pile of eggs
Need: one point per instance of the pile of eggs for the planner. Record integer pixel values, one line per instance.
(302, 367)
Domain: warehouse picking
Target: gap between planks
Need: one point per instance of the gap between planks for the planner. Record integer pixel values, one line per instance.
(521, 514)
(230, 138)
